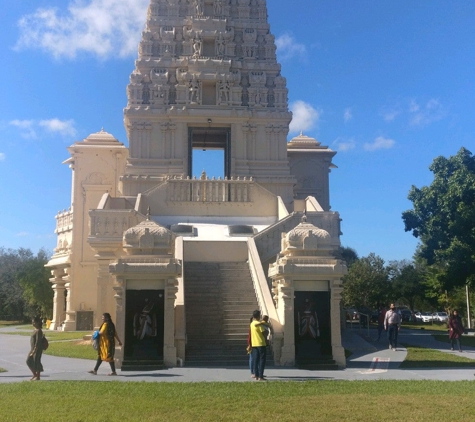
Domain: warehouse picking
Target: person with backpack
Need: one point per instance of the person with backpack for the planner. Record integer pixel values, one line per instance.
(37, 346)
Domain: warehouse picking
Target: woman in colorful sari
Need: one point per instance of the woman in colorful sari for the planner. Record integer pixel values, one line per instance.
(34, 357)
(107, 336)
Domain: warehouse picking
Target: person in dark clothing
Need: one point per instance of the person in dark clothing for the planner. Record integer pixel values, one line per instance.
(456, 329)
(34, 357)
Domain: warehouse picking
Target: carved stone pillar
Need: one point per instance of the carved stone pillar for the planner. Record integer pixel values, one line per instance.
(58, 299)
(169, 349)
(70, 321)
(120, 320)
(103, 285)
(337, 348)
(285, 310)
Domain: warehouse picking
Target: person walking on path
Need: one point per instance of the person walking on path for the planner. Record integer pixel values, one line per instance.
(258, 343)
(107, 336)
(456, 330)
(34, 357)
(392, 324)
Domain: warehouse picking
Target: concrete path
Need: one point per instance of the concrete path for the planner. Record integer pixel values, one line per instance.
(370, 360)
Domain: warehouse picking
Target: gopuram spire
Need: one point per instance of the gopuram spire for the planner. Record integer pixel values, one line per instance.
(201, 60)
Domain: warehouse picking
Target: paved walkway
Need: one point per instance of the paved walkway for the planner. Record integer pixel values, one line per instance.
(370, 360)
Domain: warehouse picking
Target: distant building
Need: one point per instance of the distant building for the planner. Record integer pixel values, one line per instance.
(181, 262)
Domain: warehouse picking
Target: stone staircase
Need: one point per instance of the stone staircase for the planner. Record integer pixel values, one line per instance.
(219, 301)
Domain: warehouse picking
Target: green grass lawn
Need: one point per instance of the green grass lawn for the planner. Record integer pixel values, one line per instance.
(3, 370)
(277, 401)
(51, 335)
(71, 349)
(421, 357)
(425, 326)
(465, 340)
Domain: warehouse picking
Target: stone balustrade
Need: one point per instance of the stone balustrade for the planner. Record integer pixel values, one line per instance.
(64, 221)
(209, 190)
(111, 223)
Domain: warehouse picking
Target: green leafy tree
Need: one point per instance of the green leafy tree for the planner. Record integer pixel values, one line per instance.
(348, 255)
(33, 278)
(407, 282)
(367, 283)
(24, 287)
(443, 218)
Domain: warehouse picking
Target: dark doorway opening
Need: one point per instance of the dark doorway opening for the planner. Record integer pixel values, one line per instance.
(144, 326)
(209, 151)
(312, 327)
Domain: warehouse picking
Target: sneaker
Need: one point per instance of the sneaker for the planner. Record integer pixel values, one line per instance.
(390, 347)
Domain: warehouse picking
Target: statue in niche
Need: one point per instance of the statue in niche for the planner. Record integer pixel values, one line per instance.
(258, 98)
(197, 47)
(194, 90)
(145, 322)
(218, 7)
(199, 7)
(308, 321)
(220, 45)
(223, 91)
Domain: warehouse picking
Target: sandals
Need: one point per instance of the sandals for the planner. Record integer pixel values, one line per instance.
(112, 374)
(92, 372)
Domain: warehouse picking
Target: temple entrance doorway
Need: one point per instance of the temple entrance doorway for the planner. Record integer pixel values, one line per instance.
(144, 327)
(209, 150)
(312, 327)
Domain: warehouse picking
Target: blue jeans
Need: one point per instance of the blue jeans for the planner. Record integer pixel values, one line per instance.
(251, 362)
(392, 335)
(259, 358)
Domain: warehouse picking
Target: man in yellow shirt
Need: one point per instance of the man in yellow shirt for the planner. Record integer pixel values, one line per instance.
(258, 343)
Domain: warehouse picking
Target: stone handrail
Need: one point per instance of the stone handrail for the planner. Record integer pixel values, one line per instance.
(268, 241)
(64, 221)
(112, 223)
(264, 298)
(209, 190)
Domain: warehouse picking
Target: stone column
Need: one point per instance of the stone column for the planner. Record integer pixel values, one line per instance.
(337, 348)
(285, 310)
(58, 299)
(120, 299)
(70, 321)
(169, 349)
(103, 284)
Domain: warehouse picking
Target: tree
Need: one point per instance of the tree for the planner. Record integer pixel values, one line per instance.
(348, 255)
(24, 287)
(33, 278)
(443, 219)
(407, 282)
(367, 283)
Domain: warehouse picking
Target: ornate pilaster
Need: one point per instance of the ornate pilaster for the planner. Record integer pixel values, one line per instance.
(169, 349)
(285, 310)
(103, 284)
(59, 311)
(338, 350)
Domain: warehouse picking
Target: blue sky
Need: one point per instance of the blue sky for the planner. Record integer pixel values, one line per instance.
(388, 84)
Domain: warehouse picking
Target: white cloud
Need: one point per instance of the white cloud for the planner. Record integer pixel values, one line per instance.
(31, 129)
(379, 143)
(348, 115)
(288, 48)
(305, 117)
(423, 115)
(343, 144)
(100, 27)
(390, 115)
(2, 156)
(63, 127)
(26, 127)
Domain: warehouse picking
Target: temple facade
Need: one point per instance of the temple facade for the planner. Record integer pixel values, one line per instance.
(181, 261)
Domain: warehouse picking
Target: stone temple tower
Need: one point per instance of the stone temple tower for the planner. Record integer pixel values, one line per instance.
(207, 77)
(179, 261)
